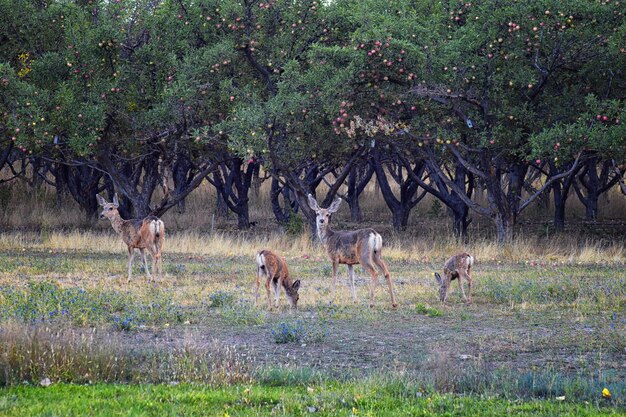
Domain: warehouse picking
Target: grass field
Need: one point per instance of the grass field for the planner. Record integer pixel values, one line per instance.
(329, 399)
(545, 334)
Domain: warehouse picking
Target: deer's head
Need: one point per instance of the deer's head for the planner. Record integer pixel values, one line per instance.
(324, 216)
(109, 210)
(292, 293)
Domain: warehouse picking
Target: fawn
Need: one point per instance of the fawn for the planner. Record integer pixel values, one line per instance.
(458, 266)
(276, 272)
(361, 246)
(148, 233)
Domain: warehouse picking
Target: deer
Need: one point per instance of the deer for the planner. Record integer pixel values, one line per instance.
(458, 266)
(143, 234)
(362, 246)
(275, 270)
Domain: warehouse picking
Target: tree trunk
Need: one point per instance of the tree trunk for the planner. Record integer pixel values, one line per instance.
(182, 177)
(504, 229)
(283, 212)
(399, 207)
(221, 208)
(400, 218)
(559, 207)
(358, 179)
(233, 184)
(460, 221)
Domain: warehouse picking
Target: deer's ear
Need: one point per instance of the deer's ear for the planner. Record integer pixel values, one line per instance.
(313, 203)
(335, 205)
(100, 200)
(296, 285)
(438, 277)
(116, 202)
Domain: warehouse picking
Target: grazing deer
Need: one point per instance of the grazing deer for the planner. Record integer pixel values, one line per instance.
(361, 246)
(459, 266)
(275, 270)
(148, 233)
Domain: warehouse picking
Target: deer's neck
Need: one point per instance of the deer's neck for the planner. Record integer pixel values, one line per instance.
(323, 233)
(117, 222)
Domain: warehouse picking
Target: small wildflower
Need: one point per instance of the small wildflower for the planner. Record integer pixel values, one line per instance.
(606, 393)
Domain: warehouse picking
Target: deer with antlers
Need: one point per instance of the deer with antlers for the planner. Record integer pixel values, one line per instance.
(275, 270)
(361, 246)
(457, 267)
(142, 234)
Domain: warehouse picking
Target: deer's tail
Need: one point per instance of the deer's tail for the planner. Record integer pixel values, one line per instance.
(375, 242)
(260, 259)
(157, 227)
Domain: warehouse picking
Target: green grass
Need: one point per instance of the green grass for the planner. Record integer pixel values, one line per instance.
(328, 399)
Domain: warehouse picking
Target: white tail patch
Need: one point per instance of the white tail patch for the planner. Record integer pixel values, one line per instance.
(470, 260)
(260, 259)
(375, 242)
(155, 227)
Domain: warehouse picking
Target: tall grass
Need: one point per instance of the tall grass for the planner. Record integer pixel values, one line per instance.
(30, 354)
(423, 248)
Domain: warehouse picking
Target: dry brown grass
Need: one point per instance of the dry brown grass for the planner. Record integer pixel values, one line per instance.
(422, 248)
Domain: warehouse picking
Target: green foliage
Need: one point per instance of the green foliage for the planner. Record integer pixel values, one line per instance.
(295, 225)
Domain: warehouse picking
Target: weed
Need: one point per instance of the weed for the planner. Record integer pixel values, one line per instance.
(298, 331)
(47, 302)
(421, 308)
(242, 312)
(288, 332)
(221, 298)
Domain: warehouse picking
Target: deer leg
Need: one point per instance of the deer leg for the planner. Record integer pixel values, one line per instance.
(445, 286)
(334, 280)
(256, 288)
(351, 279)
(374, 281)
(460, 279)
(468, 277)
(381, 264)
(131, 253)
(275, 284)
(145, 263)
(267, 288)
(159, 252)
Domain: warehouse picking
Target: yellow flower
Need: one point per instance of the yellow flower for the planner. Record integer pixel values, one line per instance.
(606, 393)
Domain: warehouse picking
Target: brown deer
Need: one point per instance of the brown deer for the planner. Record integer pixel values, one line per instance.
(148, 233)
(274, 269)
(361, 246)
(458, 266)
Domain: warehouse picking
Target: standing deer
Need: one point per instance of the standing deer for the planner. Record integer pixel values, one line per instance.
(458, 266)
(148, 233)
(361, 246)
(275, 270)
